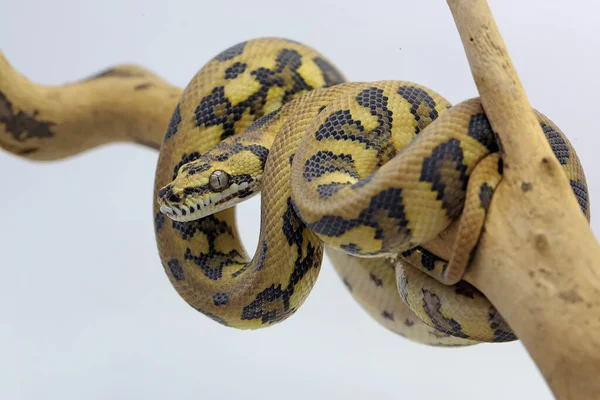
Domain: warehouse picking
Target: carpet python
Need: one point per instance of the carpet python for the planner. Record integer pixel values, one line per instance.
(365, 171)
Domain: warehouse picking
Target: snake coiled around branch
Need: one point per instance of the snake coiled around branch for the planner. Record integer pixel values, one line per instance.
(368, 172)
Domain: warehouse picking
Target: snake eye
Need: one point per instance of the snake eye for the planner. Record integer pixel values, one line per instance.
(219, 181)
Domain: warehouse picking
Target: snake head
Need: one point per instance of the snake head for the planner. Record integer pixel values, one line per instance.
(216, 181)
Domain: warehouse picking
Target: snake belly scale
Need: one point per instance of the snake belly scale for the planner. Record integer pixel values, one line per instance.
(366, 171)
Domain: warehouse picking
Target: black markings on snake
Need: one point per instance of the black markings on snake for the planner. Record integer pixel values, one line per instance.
(481, 130)
(427, 261)
(245, 193)
(377, 281)
(224, 151)
(173, 123)
(235, 70)
(500, 166)
(485, 196)
(388, 315)
(273, 303)
(21, 125)
(186, 158)
(260, 308)
(231, 52)
(262, 255)
(502, 332)
(339, 125)
(263, 121)
(176, 269)
(270, 295)
(194, 168)
(386, 205)
(167, 192)
(285, 75)
(447, 174)
(526, 186)
(329, 189)
(373, 99)
(581, 193)
(292, 226)
(259, 151)
(216, 110)
(213, 261)
(330, 74)
(241, 270)
(432, 306)
(408, 322)
(210, 226)
(324, 162)
(239, 179)
(351, 248)
(220, 299)
(159, 221)
(557, 143)
(189, 190)
(419, 98)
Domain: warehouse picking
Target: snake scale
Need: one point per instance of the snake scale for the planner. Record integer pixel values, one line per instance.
(366, 171)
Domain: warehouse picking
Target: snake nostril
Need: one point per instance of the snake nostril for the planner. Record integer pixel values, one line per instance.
(166, 193)
(162, 192)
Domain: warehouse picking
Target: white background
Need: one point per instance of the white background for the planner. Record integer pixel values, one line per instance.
(86, 311)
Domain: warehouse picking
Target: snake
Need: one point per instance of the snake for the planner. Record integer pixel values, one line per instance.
(363, 172)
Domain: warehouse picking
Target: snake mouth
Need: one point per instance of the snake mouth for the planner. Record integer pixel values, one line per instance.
(193, 209)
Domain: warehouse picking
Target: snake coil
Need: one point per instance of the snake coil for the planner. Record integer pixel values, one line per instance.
(368, 172)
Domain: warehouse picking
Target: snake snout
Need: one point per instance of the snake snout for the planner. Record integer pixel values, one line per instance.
(166, 196)
(171, 203)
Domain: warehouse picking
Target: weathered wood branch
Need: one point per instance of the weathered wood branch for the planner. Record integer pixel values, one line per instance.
(538, 260)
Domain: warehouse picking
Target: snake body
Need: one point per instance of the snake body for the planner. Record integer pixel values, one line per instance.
(367, 171)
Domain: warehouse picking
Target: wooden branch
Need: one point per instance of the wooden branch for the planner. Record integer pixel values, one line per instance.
(538, 261)
(125, 103)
